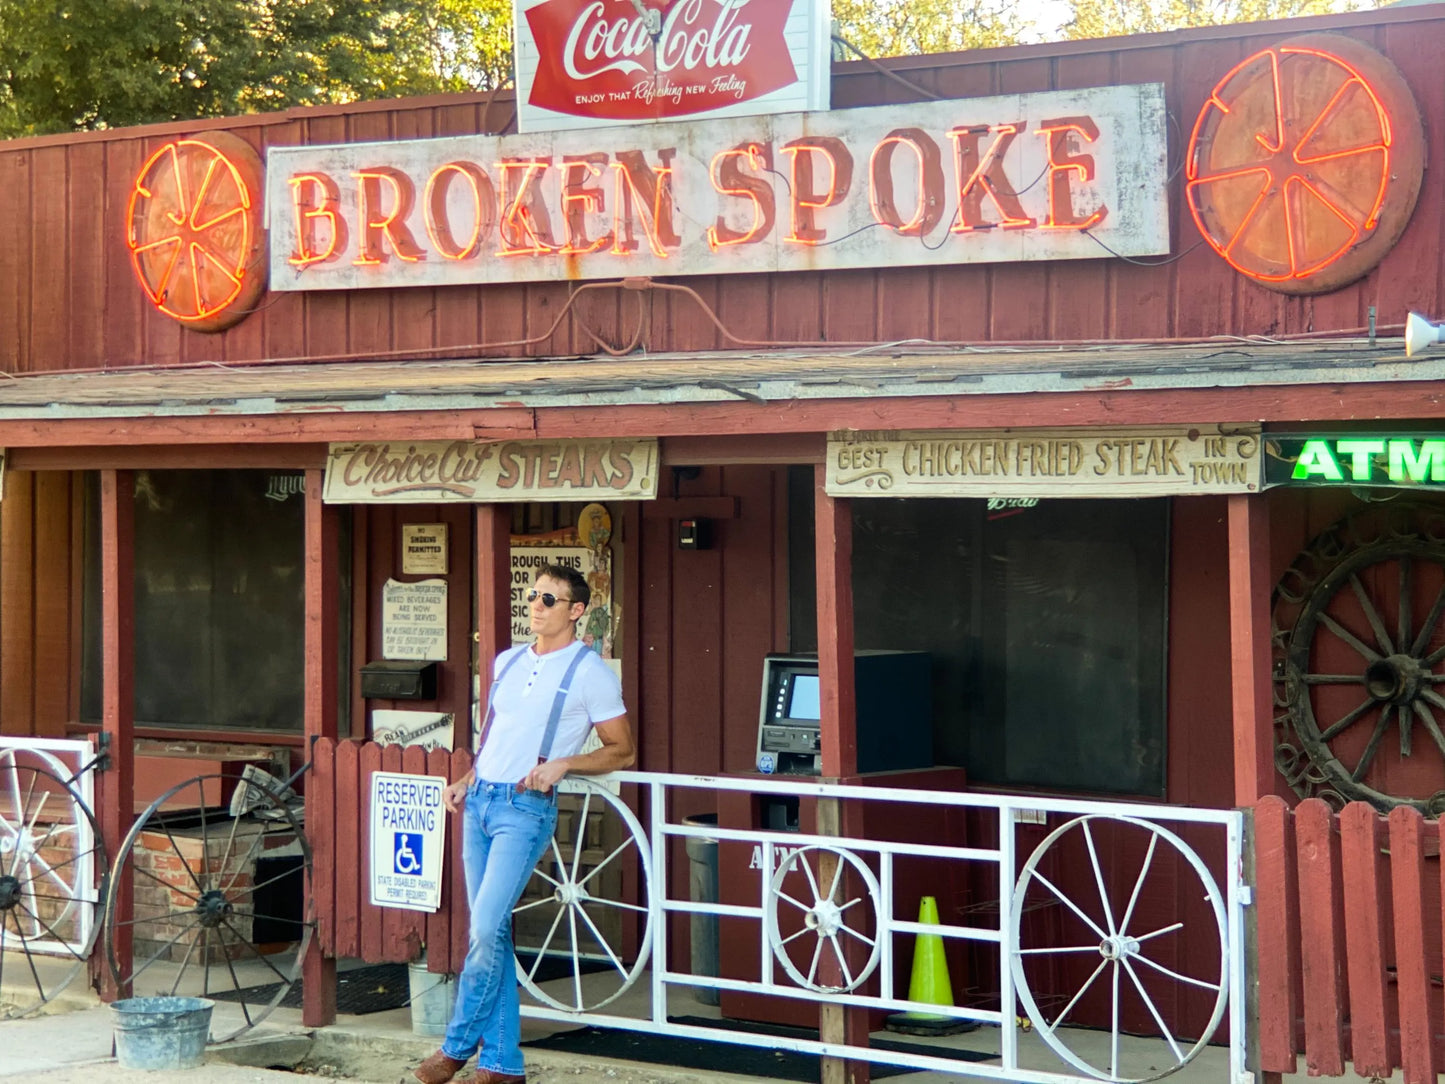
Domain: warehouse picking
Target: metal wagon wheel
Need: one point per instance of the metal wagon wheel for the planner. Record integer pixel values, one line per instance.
(1122, 949)
(568, 893)
(827, 916)
(203, 882)
(51, 862)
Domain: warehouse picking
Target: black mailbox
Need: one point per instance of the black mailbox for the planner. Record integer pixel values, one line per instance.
(406, 679)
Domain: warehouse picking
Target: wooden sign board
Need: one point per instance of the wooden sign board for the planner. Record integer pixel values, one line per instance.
(1153, 461)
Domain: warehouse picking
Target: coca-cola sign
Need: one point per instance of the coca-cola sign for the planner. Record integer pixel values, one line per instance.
(587, 62)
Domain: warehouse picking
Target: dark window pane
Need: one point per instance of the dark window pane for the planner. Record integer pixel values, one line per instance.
(1046, 627)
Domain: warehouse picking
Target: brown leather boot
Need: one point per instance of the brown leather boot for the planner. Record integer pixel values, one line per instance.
(437, 1069)
(489, 1076)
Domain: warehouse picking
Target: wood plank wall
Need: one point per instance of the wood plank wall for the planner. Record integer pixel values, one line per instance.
(39, 603)
(70, 300)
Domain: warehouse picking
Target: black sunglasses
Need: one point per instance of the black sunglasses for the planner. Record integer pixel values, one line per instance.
(548, 599)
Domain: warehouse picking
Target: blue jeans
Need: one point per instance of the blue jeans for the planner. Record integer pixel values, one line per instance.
(504, 832)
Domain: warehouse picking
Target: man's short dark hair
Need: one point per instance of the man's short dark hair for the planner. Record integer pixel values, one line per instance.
(575, 581)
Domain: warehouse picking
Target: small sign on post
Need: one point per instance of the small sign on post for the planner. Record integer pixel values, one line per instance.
(408, 840)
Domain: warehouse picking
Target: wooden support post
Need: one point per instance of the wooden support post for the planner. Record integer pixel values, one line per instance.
(494, 589)
(117, 652)
(1250, 649)
(1250, 666)
(321, 697)
(833, 547)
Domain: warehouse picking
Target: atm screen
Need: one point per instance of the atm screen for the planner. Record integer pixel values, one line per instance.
(804, 702)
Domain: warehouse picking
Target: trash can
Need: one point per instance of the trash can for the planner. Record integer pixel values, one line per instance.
(702, 888)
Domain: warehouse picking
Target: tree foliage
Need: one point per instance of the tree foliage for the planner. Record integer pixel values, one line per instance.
(1103, 18)
(904, 27)
(67, 64)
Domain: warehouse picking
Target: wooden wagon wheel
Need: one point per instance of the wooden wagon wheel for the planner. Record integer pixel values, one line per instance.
(1305, 163)
(51, 860)
(1358, 659)
(204, 885)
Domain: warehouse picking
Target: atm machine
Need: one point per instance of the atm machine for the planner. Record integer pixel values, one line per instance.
(894, 709)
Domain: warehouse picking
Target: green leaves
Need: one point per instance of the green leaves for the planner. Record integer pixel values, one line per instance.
(1102, 18)
(904, 27)
(109, 63)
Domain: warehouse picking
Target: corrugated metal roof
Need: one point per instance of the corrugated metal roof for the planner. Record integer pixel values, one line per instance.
(890, 370)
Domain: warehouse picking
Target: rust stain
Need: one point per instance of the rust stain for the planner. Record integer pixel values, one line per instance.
(1111, 385)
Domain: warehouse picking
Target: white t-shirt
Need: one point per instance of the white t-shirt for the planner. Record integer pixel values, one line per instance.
(523, 701)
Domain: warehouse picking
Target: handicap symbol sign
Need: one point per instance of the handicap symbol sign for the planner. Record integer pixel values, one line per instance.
(407, 858)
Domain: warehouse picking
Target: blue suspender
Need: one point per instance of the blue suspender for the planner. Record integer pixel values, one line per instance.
(558, 703)
(550, 734)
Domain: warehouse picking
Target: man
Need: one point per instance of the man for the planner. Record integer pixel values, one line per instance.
(544, 699)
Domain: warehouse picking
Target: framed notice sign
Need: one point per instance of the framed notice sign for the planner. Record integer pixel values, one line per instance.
(408, 840)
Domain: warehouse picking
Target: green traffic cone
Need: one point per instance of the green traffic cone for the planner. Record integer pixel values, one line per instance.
(929, 983)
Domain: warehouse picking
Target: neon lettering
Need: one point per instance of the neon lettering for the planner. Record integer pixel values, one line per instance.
(806, 199)
(1064, 167)
(928, 200)
(638, 183)
(726, 172)
(315, 198)
(985, 177)
(438, 220)
(526, 227)
(389, 226)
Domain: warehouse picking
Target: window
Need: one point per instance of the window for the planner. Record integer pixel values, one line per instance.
(1046, 626)
(219, 600)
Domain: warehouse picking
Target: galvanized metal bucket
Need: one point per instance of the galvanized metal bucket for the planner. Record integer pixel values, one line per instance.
(161, 1032)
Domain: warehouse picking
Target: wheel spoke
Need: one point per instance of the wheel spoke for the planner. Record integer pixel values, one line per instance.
(1160, 932)
(794, 936)
(617, 903)
(813, 969)
(812, 881)
(1333, 679)
(607, 948)
(845, 928)
(546, 943)
(251, 851)
(1053, 950)
(1404, 603)
(205, 835)
(1154, 1012)
(185, 962)
(1369, 653)
(576, 963)
(1372, 615)
(1058, 1020)
(579, 838)
(1344, 721)
(235, 982)
(295, 871)
(137, 972)
(1070, 904)
(535, 903)
(1114, 1026)
(784, 896)
(595, 870)
(257, 952)
(1433, 728)
(1428, 628)
(1374, 743)
(1139, 881)
(62, 942)
(200, 888)
(1099, 879)
(1201, 983)
(842, 963)
(837, 879)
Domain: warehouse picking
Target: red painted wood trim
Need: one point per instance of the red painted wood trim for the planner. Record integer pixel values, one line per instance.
(1361, 869)
(348, 850)
(318, 968)
(394, 920)
(1407, 879)
(1275, 900)
(497, 423)
(1319, 882)
(1323, 402)
(117, 652)
(726, 451)
(494, 597)
(413, 926)
(833, 544)
(1249, 648)
(373, 945)
(437, 932)
(322, 629)
(189, 457)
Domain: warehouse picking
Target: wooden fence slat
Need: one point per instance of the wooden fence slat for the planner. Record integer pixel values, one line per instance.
(437, 932)
(373, 946)
(1407, 876)
(1360, 866)
(413, 929)
(348, 848)
(1320, 962)
(461, 764)
(394, 920)
(321, 831)
(1275, 903)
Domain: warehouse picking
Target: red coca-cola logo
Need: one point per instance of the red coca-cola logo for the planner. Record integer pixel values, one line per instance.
(616, 60)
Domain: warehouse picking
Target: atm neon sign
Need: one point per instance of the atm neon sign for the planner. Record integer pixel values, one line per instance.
(1357, 459)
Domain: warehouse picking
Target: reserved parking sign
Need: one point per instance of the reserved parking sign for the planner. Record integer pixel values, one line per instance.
(408, 840)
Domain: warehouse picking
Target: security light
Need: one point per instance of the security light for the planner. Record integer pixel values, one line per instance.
(1420, 333)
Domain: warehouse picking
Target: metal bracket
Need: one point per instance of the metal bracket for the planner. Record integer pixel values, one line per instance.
(102, 763)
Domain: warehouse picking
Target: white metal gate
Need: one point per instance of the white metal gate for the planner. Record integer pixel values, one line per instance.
(826, 921)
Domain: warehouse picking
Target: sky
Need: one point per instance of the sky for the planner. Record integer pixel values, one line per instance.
(1047, 16)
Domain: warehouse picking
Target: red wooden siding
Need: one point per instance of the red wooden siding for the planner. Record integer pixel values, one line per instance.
(1348, 912)
(347, 925)
(70, 299)
(39, 603)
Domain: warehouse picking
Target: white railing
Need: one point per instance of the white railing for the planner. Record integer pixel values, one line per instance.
(826, 922)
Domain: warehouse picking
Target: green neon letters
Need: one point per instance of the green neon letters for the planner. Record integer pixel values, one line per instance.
(1360, 460)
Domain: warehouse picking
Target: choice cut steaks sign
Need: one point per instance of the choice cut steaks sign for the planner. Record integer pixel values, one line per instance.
(591, 62)
(1051, 176)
